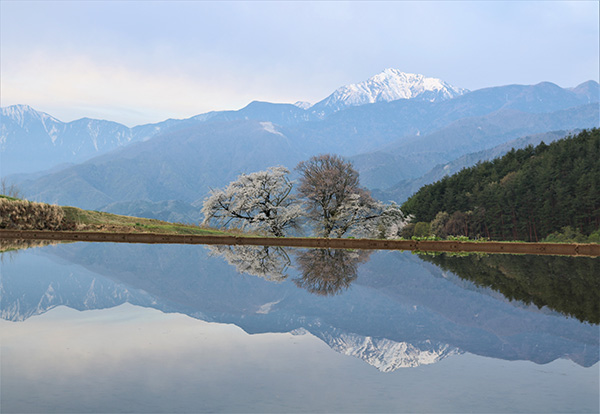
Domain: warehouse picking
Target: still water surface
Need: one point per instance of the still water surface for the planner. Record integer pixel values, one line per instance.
(135, 328)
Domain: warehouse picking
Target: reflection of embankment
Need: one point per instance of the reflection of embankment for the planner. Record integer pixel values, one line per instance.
(568, 249)
(566, 284)
(10, 245)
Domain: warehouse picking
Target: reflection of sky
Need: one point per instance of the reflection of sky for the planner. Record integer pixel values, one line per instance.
(130, 358)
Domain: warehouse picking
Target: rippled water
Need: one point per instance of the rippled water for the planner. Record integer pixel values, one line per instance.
(137, 328)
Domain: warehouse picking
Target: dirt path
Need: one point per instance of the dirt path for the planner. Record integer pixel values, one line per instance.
(568, 249)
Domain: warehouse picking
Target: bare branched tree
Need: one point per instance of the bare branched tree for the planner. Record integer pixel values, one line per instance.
(10, 190)
(337, 204)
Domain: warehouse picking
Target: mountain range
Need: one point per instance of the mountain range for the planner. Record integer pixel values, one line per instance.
(395, 127)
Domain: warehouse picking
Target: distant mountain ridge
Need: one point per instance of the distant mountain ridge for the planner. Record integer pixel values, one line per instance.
(412, 157)
(33, 141)
(177, 165)
(404, 189)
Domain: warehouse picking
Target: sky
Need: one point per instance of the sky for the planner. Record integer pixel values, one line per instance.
(138, 62)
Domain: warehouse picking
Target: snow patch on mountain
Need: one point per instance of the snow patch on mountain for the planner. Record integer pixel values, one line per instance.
(266, 308)
(269, 127)
(93, 131)
(389, 85)
(24, 116)
(303, 104)
(31, 140)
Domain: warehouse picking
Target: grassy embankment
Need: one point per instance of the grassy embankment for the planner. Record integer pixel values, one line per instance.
(26, 215)
(29, 220)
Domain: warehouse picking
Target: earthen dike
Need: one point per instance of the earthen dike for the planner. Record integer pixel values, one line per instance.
(568, 249)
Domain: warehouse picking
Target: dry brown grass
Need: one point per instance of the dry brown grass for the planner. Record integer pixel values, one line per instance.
(18, 214)
(28, 215)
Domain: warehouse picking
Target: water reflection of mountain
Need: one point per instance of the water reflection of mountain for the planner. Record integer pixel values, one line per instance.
(384, 354)
(398, 311)
(31, 284)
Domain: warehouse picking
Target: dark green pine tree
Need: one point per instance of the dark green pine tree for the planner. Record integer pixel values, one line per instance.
(525, 195)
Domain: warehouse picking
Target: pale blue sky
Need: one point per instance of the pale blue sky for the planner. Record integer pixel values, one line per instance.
(137, 62)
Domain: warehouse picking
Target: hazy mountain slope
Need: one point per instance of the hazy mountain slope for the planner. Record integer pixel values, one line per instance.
(589, 90)
(184, 164)
(499, 127)
(31, 141)
(404, 189)
(280, 114)
(412, 158)
(181, 165)
(174, 211)
(366, 128)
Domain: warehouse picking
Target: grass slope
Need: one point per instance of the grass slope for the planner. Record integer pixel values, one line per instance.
(88, 220)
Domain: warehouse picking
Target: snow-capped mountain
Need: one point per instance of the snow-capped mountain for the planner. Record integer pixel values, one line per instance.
(31, 140)
(17, 119)
(28, 119)
(389, 85)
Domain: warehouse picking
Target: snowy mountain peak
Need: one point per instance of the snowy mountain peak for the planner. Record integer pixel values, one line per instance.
(303, 104)
(389, 85)
(32, 140)
(22, 113)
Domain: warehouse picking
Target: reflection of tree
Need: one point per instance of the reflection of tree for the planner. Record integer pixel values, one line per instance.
(329, 271)
(569, 285)
(267, 262)
(324, 271)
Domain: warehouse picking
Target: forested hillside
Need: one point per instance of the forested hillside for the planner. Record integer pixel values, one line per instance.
(525, 195)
